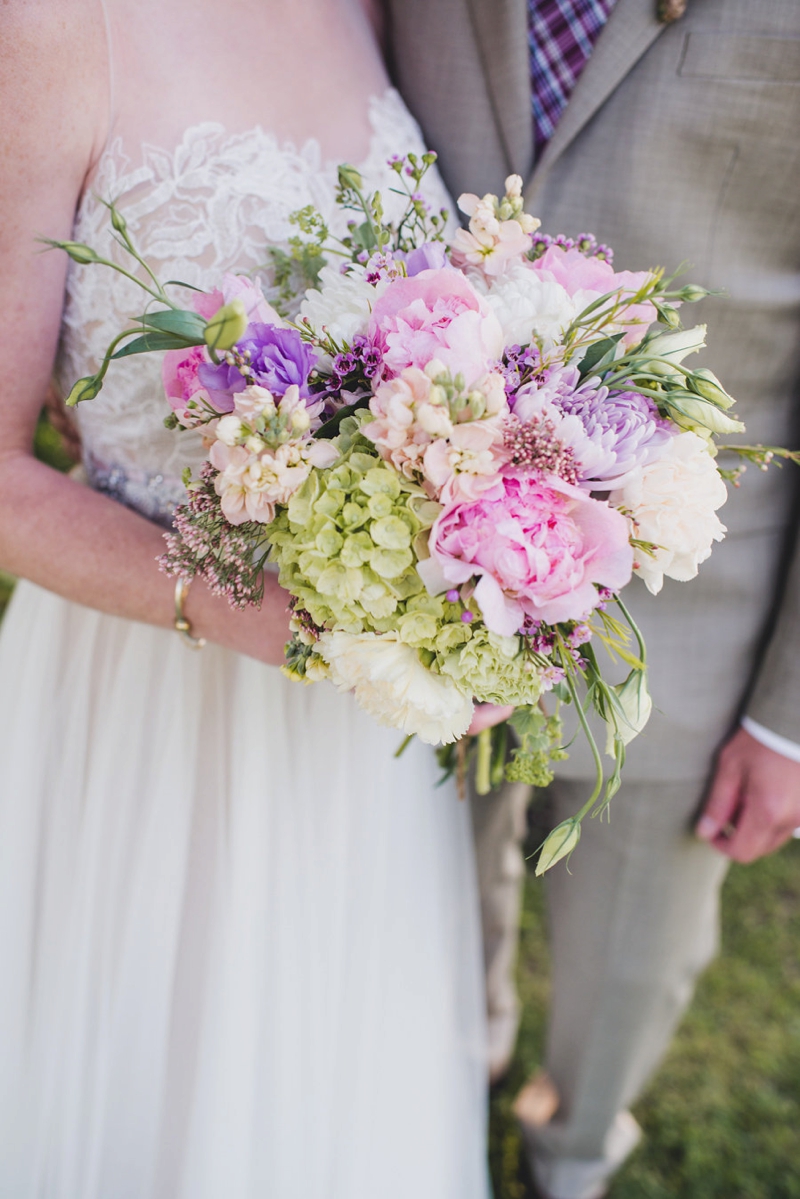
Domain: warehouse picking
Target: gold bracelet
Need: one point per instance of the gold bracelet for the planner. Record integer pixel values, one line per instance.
(182, 625)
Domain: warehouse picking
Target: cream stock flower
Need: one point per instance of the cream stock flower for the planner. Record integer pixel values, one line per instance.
(673, 504)
(392, 685)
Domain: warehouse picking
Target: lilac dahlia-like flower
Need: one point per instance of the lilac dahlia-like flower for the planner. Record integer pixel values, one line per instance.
(610, 434)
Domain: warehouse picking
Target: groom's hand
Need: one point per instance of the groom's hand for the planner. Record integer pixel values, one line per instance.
(754, 803)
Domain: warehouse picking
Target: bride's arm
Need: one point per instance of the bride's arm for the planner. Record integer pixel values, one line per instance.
(55, 531)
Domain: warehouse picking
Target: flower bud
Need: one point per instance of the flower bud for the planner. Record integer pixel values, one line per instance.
(434, 369)
(687, 412)
(668, 315)
(350, 178)
(85, 389)
(633, 713)
(229, 429)
(227, 326)
(78, 252)
(118, 221)
(559, 844)
(693, 292)
(707, 385)
(300, 421)
(513, 186)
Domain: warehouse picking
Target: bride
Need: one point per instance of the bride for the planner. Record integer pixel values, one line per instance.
(239, 940)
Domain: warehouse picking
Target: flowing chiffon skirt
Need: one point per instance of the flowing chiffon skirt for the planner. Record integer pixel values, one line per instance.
(239, 941)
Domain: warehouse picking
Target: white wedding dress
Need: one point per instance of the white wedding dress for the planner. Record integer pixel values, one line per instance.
(239, 941)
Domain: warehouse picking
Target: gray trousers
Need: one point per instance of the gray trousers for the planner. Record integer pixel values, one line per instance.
(632, 924)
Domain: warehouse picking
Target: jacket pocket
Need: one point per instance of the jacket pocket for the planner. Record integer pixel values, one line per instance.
(742, 58)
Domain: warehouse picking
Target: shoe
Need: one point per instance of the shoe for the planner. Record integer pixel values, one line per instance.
(535, 1107)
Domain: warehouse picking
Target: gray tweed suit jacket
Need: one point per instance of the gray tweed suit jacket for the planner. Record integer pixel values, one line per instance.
(680, 142)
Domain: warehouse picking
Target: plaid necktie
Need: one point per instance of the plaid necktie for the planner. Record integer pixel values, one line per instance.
(561, 37)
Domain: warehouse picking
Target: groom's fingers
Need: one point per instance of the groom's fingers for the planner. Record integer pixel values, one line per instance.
(754, 803)
(488, 715)
(723, 800)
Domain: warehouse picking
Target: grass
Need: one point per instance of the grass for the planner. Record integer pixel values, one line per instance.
(722, 1116)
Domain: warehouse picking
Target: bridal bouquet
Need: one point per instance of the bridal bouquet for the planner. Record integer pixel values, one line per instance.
(456, 454)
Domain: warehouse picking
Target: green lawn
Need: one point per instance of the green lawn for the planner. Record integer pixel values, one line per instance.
(722, 1117)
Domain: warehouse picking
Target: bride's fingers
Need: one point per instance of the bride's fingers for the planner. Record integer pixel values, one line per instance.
(487, 715)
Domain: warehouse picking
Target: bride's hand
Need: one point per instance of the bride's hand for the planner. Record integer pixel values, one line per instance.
(488, 715)
(257, 632)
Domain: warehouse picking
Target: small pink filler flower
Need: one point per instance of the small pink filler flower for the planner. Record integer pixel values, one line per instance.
(539, 549)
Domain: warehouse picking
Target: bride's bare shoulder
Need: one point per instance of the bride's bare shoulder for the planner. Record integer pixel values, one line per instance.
(53, 77)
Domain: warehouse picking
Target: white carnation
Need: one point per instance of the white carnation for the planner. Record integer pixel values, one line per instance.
(525, 304)
(391, 684)
(673, 503)
(342, 305)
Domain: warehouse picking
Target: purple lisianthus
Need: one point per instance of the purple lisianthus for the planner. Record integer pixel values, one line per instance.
(278, 357)
(609, 433)
(429, 256)
(221, 382)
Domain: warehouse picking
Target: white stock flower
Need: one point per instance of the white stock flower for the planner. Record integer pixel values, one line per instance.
(392, 685)
(673, 503)
(525, 304)
(343, 305)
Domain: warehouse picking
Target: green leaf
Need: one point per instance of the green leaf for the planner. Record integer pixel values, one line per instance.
(181, 322)
(331, 427)
(599, 354)
(149, 342)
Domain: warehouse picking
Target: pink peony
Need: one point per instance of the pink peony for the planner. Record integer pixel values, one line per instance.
(179, 375)
(539, 548)
(589, 278)
(437, 314)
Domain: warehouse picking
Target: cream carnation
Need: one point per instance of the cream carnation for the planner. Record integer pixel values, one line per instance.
(525, 304)
(343, 305)
(392, 685)
(673, 503)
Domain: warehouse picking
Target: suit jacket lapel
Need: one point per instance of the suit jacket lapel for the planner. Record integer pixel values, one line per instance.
(500, 28)
(631, 30)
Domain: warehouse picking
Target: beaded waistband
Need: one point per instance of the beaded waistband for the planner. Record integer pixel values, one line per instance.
(155, 496)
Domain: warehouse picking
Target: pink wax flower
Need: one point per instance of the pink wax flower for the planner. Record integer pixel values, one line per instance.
(437, 314)
(539, 548)
(592, 277)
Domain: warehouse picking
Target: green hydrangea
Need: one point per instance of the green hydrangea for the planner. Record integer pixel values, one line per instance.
(494, 669)
(345, 546)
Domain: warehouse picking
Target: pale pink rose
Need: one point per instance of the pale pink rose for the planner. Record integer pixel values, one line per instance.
(466, 464)
(538, 547)
(237, 287)
(436, 314)
(589, 278)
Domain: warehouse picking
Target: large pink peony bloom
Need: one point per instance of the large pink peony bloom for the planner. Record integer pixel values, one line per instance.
(437, 314)
(589, 278)
(539, 550)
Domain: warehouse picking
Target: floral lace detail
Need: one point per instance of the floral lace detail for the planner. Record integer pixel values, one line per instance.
(214, 204)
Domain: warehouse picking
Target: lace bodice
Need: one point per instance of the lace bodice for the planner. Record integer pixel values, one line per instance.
(214, 204)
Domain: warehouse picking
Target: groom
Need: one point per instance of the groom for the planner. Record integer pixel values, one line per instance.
(670, 132)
